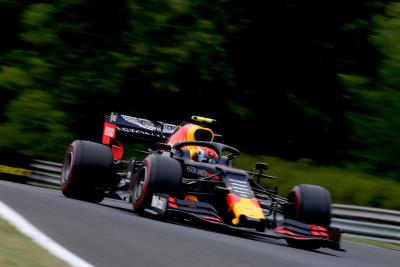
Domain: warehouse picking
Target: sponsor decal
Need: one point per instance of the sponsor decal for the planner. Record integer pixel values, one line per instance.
(194, 170)
(159, 202)
(169, 128)
(147, 127)
(137, 131)
(142, 123)
(109, 131)
(147, 124)
(240, 188)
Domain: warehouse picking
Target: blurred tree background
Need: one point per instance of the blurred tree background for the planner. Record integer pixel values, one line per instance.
(294, 79)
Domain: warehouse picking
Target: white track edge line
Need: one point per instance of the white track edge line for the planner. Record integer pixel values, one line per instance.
(25, 227)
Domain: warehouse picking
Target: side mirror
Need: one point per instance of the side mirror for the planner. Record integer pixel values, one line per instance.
(261, 166)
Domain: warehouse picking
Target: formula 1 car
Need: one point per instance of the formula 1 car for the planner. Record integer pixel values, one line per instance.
(187, 176)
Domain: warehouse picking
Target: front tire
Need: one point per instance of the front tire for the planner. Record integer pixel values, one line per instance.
(310, 204)
(87, 168)
(158, 174)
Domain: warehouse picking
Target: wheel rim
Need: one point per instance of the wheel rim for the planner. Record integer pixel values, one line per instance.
(140, 184)
(67, 167)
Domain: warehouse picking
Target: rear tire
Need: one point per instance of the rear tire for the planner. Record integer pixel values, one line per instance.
(158, 174)
(87, 168)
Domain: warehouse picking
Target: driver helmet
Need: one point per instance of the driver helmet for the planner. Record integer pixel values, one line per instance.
(204, 154)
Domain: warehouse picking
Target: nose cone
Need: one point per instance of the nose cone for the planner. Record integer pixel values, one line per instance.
(249, 208)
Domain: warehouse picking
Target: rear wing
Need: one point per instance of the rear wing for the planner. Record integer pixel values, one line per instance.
(137, 127)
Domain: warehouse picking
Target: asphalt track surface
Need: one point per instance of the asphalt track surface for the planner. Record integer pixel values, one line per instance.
(109, 234)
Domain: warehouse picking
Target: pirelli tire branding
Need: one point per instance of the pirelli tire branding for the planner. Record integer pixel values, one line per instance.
(14, 171)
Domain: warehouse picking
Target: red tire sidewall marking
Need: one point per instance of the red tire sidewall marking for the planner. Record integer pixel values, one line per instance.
(138, 202)
(71, 168)
(296, 191)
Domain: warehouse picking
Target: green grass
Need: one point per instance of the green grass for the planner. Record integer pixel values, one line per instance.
(371, 242)
(347, 187)
(18, 250)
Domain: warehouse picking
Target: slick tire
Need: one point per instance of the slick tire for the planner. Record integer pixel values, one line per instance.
(87, 168)
(311, 205)
(158, 174)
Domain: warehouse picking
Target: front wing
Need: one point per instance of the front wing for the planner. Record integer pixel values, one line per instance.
(306, 235)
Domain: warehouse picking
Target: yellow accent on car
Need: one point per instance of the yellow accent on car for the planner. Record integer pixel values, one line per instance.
(191, 198)
(191, 133)
(202, 119)
(247, 208)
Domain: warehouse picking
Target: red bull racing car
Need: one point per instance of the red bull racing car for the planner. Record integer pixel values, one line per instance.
(187, 176)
